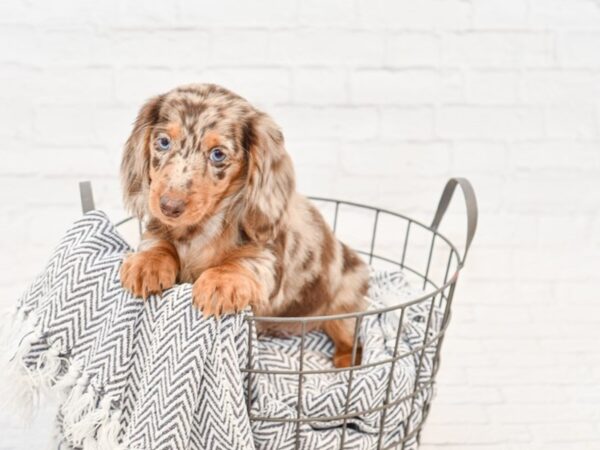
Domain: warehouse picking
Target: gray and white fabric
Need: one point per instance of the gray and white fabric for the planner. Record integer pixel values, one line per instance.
(326, 395)
(155, 374)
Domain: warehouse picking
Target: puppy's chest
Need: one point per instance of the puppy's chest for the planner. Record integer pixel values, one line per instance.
(199, 254)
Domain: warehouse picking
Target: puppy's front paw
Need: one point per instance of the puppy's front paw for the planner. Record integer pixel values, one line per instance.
(144, 273)
(221, 290)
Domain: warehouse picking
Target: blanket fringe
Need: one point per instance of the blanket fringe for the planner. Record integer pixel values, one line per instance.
(19, 386)
(88, 419)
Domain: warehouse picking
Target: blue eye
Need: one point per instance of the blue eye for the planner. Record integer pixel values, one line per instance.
(163, 143)
(217, 155)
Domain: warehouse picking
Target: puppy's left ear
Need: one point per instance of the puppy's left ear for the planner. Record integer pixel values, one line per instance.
(135, 163)
(270, 181)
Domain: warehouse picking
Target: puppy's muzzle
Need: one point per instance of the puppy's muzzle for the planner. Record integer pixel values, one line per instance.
(171, 207)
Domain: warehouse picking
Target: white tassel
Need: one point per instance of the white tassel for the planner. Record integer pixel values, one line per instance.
(108, 435)
(48, 368)
(85, 423)
(18, 388)
(66, 383)
(75, 410)
(86, 427)
(90, 444)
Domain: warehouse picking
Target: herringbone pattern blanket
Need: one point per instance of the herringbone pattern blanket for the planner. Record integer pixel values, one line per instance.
(155, 374)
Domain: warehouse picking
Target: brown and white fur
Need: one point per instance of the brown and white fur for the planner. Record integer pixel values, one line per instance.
(234, 228)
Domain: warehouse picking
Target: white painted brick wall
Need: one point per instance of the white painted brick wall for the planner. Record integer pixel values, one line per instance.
(381, 101)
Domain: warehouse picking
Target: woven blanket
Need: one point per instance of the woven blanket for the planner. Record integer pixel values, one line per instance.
(155, 374)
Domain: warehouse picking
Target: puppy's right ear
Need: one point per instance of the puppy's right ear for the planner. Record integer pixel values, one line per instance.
(135, 163)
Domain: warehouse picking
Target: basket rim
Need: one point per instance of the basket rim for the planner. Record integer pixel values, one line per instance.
(450, 280)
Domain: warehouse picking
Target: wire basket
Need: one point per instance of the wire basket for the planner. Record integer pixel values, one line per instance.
(397, 242)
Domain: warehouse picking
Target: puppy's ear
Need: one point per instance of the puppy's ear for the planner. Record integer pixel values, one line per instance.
(136, 159)
(270, 181)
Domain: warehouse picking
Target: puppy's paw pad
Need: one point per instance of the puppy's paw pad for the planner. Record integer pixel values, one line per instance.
(223, 291)
(144, 274)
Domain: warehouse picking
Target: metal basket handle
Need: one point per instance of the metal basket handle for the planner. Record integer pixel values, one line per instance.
(87, 196)
(471, 203)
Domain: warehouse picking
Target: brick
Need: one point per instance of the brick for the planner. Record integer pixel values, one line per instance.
(558, 14)
(579, 49)
(76, 86)
(327, 122)
(490, 122)
(261, 86)
(18, 82)
(558, 87)
(570, 229)
(230, 13)
(591, 394)
(17, 13)
(492, 87)
(463, 345)
(319, 86)
(77, 47)
(136, 85)
(468, 394)
(567, 432)
(112, 125)
(517, 395)
(547, 195)
(179, 48)
(326, 47)
(24, 45)
(313, 153)
(479, 156)
(418, 158)
(498, 49)
(555, 155)
(514, 376)
(412, 49)
(232, 47)
(576, 122)
(16, 119)
(315, 181)
(543, 414)
(333, 13)
(579, 293)
(59, 161)
(453, 89)
(396, 87)
(452, 414)
(84, 13)
(50, 123)
(475, 435)
(426, 445)
(495, 14)
(452, 376)
(407, 123)
(538, 264)
(449, 14)
(508, 293)
(139, 13)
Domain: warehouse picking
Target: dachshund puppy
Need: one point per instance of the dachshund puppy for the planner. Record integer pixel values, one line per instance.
(209, 175)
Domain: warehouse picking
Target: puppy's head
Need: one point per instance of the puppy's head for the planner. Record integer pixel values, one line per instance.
(200, 150)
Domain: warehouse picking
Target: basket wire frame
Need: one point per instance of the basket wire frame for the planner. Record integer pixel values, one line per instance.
(440, 291)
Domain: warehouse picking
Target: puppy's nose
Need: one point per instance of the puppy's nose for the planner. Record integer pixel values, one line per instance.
(171, 207)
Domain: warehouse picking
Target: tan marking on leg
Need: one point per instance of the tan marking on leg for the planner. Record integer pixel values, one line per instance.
(343, 338)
